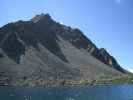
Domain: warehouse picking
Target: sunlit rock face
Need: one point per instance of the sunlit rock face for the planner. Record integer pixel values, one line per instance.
(43, 52)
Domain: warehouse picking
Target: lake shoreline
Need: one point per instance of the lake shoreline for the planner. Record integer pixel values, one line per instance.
(126, 80)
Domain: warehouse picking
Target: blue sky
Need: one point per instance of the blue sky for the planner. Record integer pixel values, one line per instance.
(108, 23)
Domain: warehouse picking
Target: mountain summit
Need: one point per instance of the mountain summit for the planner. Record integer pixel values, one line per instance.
(42, 52)
(40, 17)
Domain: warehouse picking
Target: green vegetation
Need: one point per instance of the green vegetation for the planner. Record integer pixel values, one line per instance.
(84, 82)
(114, 81)
(104, 81)
(123, 80)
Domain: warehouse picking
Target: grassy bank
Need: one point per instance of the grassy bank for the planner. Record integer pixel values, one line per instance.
(104, 81)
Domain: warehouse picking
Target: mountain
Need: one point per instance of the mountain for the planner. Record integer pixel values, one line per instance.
(43, 52)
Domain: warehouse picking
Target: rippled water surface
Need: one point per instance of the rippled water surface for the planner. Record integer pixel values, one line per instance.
(123, 92)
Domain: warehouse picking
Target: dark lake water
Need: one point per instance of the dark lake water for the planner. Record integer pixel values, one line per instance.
(123, 92)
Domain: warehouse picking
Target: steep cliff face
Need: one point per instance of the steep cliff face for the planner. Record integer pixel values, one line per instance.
(42, 51)
(110, 60)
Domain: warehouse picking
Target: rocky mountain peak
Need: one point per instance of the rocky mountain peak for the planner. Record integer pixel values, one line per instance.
(40, 17)
(44, 52)
(46, 32)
